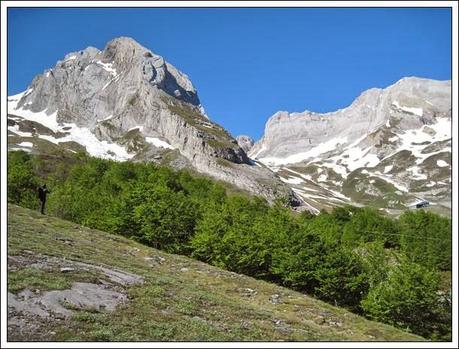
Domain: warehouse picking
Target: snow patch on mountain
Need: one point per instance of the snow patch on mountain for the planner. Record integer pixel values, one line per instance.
(316, 151)
(26, 144)
(356, 157)
(442, 163)
(158, 143)
(42, 117)
(254, 155)
(27, 150)
(416, 140)
(341, 170)
(140, 128)
(392, 180)
(115, 79)
(81, 135)
(108, 67)
(292, 180)
(322, 178)
(106, 119)
(302, 175)
(412, 110)
(416, 173)
(15, 129)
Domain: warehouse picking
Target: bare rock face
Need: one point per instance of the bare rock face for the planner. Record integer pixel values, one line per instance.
(389, 148)
(126, 102)
(245, 142)
(408, 104)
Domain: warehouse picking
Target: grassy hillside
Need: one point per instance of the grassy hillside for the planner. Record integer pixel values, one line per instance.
(180, 298)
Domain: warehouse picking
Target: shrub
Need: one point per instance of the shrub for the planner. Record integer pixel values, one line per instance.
(408, 298)
(22, 182)
(368, 225)
(426, 239)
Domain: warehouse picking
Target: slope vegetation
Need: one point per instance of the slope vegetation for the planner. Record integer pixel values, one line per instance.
(118, 290)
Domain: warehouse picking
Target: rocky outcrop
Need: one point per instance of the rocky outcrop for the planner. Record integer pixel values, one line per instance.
(245, 142)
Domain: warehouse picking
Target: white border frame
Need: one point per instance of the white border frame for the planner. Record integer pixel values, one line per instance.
(3, 96)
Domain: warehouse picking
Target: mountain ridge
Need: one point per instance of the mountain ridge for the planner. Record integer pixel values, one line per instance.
(324, 159)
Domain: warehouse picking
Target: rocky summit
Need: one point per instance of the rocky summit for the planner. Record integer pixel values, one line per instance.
(390, 149)
(127, 103)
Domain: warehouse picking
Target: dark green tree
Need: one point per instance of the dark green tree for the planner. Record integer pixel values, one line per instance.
(426, 239)
(366, 225)
(342, 279)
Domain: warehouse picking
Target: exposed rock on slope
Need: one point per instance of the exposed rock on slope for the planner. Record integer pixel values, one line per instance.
(127, 103)
(389, 148)
(245, 142)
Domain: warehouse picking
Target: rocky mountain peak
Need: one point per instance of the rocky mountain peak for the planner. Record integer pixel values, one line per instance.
(126, 53)
(127, 103)
(124, 46)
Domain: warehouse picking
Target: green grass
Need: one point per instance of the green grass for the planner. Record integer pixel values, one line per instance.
(133, 140)
(42, 146)
(357, 187)
(198, 303)
(38, 279)
(190, 115)
(107, 124)
(436, 146)
(33, 278)
(217, 136)
(72, 145)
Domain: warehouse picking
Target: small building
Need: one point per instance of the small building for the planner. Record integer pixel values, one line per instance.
(419, 204)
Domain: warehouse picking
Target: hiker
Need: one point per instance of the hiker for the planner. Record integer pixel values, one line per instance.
(42, 192)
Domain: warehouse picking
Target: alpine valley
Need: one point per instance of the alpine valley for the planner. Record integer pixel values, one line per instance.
(389, 148)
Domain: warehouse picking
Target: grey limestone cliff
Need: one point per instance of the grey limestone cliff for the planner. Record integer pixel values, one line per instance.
(408, 104)
(389, 148)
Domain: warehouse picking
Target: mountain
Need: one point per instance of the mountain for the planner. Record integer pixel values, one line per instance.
(127, 103)
(67, 282)
(388, 149)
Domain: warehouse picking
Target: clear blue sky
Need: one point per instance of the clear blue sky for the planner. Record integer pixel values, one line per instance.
(249, 63)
